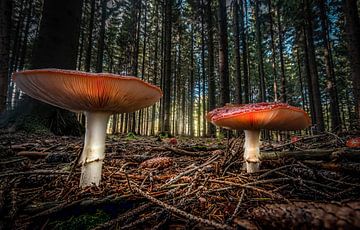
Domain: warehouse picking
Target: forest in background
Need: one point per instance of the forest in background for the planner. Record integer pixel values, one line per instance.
(202, 53)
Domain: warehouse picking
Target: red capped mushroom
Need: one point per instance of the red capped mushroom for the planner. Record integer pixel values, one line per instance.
(353, 142)
(252, 118)
(98, 95)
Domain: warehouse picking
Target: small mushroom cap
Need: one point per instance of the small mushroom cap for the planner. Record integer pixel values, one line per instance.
(353, 142)
(82, 91)
(272, 116)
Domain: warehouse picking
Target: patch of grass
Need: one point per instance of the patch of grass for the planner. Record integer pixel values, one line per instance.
(85, 221)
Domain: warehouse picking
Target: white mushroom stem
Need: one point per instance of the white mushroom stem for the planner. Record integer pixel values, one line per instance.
(93, 154)
(252, 150)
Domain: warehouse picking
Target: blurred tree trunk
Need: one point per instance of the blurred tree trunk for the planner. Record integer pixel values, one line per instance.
(329, 67)
(101, 40)
(313, 68)
(281, 53)
(56, 47)
(260, 53)
(90, 37)
(153, 109)
(211, 75)
(5, 25)
(308, 77)
(353, 35)
(203, 69)
(273, 51)
(167, 65)
(223, 54)
(191, 86)
(245, 51)
(22, 56)
(236, 37)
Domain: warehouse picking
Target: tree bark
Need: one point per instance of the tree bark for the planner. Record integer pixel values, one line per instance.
(329, 67)
(273, 52)
(245, 52)
(56, 47)
(167, 65)
(223, 54)
(260, 53)
(353, 36)
(281, 53)
(313, 69)
(308, 215)
(308, 78)
(5, 25)
(210, 69)
(236, 36)
(191, 86)
(90, 37)
(101, 40)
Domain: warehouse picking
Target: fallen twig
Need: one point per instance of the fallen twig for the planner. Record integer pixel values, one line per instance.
(180, 212)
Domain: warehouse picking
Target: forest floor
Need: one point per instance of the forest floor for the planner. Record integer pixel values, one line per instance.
(189, 183)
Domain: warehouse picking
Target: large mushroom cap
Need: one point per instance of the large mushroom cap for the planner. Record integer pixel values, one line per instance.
(82, 91)
(273, 116)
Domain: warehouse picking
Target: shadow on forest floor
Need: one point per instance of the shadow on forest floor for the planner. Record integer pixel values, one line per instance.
(181, 183)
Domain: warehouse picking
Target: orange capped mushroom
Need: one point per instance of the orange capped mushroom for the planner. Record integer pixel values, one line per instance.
(98, 95)
(252, 118)
(353, 142)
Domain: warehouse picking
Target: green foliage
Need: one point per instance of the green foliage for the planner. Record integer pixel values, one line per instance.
(85, 221)
(130, 136)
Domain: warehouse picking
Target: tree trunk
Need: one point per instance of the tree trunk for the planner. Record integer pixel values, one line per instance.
(5, 25)
(90, 37)
(223, 54)
(167, 65)
(329, 67)
(203, 70)
(15, 49)
(22, 57)
(260, 53)
(245, 51)
(313, 68)
(353, 35)
(56, 47)
(191, 86)
(236, 36)
(281, 53)
(153, 109)
(273, 53)
(101, 40)
(211, 75)
(308, 78)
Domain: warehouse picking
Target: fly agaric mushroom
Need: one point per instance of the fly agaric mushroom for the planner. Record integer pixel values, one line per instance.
(353, 142)
(98, 95)
(252, 118)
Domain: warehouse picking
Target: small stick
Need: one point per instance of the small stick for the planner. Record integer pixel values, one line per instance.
(180, 212)
(175, 179)
(237, 207)
(40, 172)
(274, 170)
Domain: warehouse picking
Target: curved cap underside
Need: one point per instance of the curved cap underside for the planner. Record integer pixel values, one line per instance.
(81, 91)
(272, 116)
